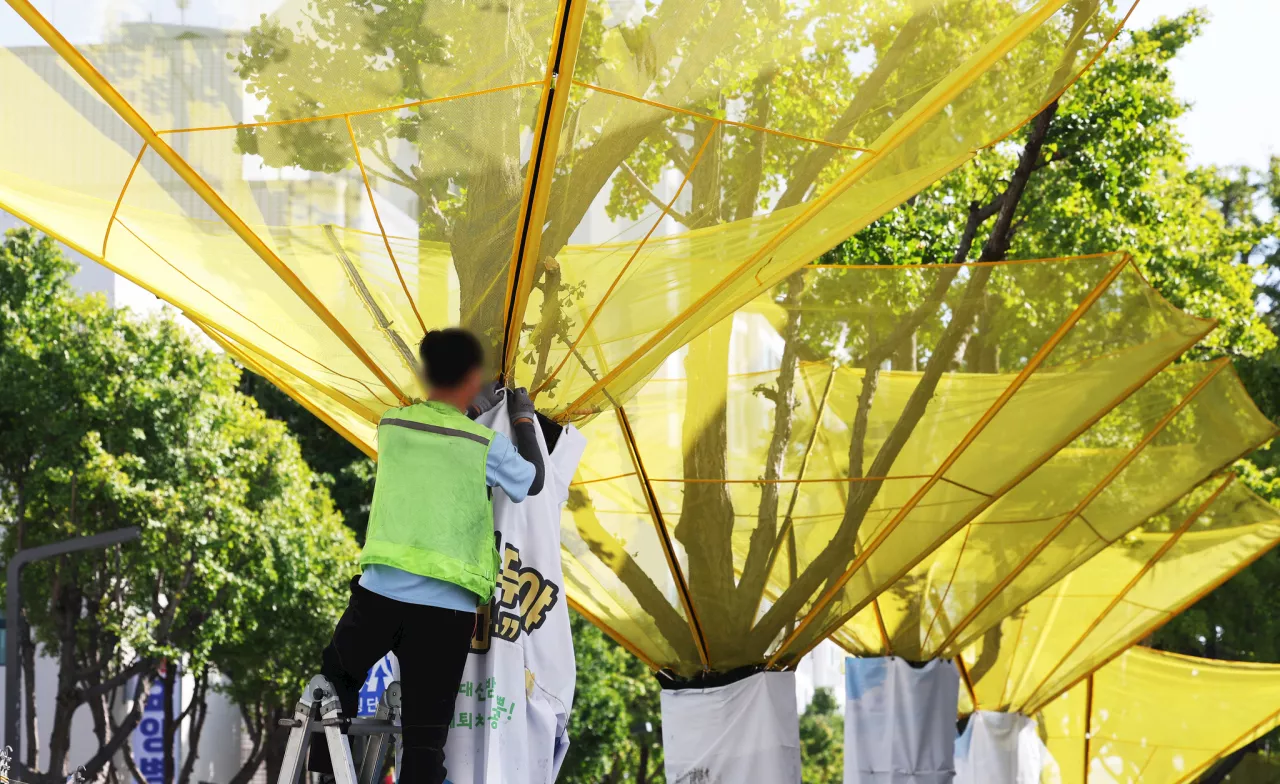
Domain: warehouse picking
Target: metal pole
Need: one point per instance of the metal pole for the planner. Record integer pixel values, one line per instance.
(13, 613)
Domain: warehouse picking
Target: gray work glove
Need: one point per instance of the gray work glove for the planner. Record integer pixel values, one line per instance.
(519, 406)
(489, 397)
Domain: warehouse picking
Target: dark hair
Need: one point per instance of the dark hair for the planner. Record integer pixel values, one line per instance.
(448, 355)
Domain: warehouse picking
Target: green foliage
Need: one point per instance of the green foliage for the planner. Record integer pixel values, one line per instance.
(615, 725)
(1114, 177)
(112, 420)
(343, 468)
(822, 740)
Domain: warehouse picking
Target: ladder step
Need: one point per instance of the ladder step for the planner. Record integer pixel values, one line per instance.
(320, 714)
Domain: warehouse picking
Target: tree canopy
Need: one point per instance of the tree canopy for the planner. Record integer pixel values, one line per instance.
(114, 420)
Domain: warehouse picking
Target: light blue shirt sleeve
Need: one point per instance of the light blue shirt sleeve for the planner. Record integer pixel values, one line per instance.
(411, 588)
(506, 469)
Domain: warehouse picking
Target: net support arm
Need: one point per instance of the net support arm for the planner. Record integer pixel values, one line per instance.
(542, 165)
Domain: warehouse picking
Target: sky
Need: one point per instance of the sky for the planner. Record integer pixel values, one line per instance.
(1228, 74)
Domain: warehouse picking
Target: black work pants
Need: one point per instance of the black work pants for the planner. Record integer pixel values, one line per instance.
(431, 644)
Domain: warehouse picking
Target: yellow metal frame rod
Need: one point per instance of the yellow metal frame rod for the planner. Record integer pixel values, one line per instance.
(106, 235)
(338, 397)
(664, 536)
(1088, 726)
(302, 400)
(184, 308)
(613, 634)
(542, 166)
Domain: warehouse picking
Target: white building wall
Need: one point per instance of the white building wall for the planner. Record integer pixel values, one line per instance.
(218, 758)
(823, 668)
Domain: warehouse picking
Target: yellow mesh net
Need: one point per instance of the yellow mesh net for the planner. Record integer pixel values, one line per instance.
(1187, 423)
(586, 183)
(1159, 718)
(793, 462)
(1120, 596)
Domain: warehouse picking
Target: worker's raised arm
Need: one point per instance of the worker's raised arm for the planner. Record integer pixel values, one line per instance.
(523, 424)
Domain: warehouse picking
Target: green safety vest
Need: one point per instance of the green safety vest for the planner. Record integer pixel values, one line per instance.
(432, 508)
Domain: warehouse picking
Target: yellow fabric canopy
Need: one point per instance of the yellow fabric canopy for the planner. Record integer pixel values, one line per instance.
(1192, 420)
(1159, 718)
(1121, 596)
(586, 183)
(795, 461)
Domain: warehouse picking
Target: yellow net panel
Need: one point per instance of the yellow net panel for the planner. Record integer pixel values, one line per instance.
(1187, 423)
(1158, 718)
(1120, 596)
(586, 183)
(791, 462)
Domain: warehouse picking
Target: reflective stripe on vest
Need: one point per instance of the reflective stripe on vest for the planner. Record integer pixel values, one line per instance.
(432, 511)
(440, 431)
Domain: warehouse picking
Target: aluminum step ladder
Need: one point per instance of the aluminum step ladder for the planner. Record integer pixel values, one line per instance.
(318, 712)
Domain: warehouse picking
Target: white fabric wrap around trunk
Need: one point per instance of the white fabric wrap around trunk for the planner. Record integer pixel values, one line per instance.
(510, 721)
(742, 733)
(900, 721)
(1001, 748)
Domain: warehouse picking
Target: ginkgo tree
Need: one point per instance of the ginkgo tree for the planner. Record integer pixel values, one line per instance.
(115, 420)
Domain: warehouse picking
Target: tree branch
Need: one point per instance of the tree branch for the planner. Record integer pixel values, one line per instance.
(119, 679)
(764, 537)
(615, 557)
(867, 93)
(255, 725)
(826, 566)
(995, 249)
(122, 732)
(649, 195)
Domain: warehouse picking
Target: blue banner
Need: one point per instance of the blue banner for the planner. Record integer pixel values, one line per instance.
(148, 736)
(377, 682)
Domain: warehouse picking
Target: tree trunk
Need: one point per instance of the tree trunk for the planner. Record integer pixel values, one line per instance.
(754, 156)
(642, 775)
(198, 711)
(121, 734)
(277, 738)
(763, 546)
(255, 724)
(28, 653)
(27, 647)
(67, 607)
(169, 730)
(705, 526)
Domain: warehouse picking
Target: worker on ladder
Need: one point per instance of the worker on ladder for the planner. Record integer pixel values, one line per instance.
(429, 558)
